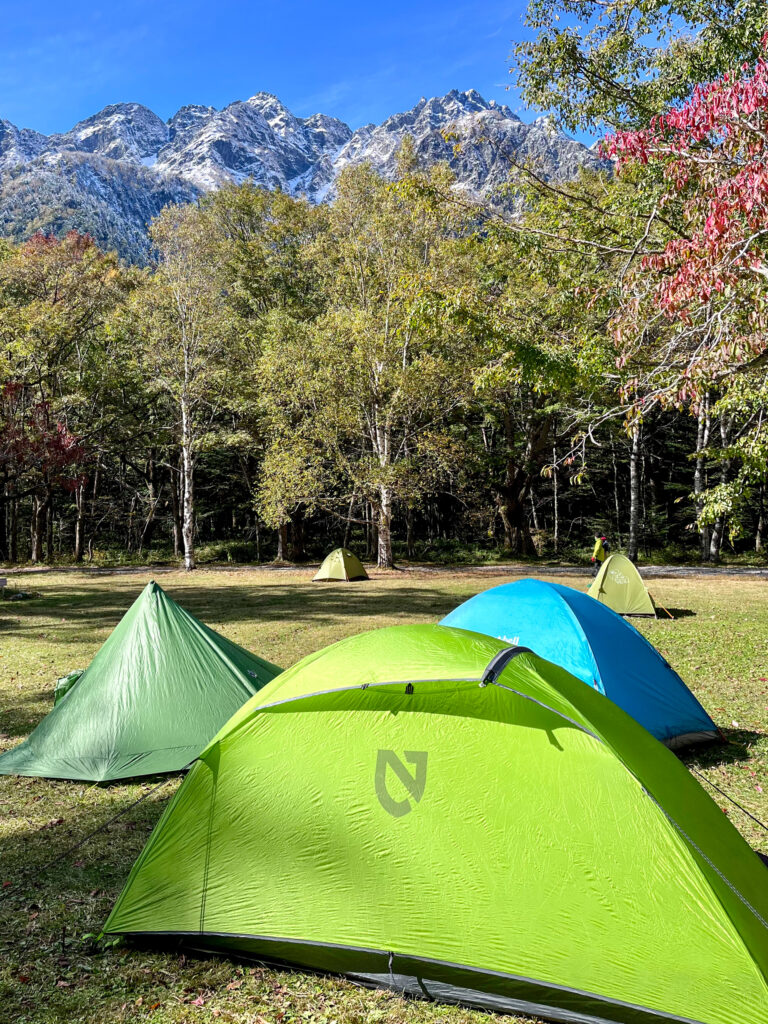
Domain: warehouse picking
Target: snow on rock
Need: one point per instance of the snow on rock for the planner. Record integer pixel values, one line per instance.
(18, 145)
(491, 140)
(123, 131)
(201, 148)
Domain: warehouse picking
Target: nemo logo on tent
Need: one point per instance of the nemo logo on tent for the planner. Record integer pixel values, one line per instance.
(414, 782)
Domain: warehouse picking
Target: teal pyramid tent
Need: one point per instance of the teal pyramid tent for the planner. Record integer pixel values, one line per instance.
(152, 698)
(434, 810)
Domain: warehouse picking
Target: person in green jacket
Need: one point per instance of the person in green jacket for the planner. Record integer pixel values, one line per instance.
(600, 552)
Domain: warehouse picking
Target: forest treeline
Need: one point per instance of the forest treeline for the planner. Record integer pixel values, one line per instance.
(405, 369)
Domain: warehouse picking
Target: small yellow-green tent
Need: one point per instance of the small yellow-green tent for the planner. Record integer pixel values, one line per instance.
(620, 586)
(341, 565)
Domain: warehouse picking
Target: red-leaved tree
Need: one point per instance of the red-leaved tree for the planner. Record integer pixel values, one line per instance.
(692, 330)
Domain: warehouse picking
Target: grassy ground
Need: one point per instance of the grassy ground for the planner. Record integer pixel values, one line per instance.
(52, 904)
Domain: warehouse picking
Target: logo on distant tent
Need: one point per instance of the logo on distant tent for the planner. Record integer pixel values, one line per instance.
(414, 782)
(618, 577)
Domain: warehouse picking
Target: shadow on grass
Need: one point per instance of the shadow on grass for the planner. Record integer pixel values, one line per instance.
(19, 721)
(737, 748)
(52, 897)
(83, 835)
(679, 613)
(219, 605)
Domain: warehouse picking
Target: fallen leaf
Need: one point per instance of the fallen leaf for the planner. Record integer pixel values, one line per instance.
(199, 1001)
(233, 985)
(63, 984)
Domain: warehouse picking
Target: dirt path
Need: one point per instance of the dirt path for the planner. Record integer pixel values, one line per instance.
(506, 569)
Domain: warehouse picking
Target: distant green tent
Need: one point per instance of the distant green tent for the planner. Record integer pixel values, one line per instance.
(155, 694)
(430, 809)
(619, 585)
(341, 565)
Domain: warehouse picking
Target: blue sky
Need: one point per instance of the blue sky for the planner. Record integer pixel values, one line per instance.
(60, 62)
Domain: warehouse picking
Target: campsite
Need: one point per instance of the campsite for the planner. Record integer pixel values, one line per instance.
(56, 899)
(384, 512)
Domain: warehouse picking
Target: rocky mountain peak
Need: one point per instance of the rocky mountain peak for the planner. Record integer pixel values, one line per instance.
(259, 139)
(121, 131)
(188, 118)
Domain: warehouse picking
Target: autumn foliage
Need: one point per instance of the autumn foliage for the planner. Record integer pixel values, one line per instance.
(711, 274)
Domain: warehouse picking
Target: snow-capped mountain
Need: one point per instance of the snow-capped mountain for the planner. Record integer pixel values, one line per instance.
(485, 141)
(114, 171)
(123, 131)
(259, 139)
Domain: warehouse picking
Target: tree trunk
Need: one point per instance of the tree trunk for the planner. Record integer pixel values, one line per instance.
(634, 494)
(409, 532)
(348, 525)
(297, 552)
(372, 540)
(385, 557)
(188, 501)
(4, 521)
(175, 482)
(92, 513)
(718, 529)
(699, 483)
(79, 521)
(760, 530)
(282, 542)
(49, 552)
(534, 513)
(38, 525)
(510, 501)
(154, 490)
(13, 543)
(716, 539)
(555, 502)
(616, 503)
(517, 535)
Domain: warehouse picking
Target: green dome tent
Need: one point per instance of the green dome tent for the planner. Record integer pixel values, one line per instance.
(154, 695)
(425, 808)
(341, 565)
(619, 585)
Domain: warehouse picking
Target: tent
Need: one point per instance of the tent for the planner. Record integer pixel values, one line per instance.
(597, 646)
(153, 696)
(426, 808)
(341, 565)
(619, 585)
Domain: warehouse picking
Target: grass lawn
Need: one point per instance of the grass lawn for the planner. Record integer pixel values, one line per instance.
(52, 905)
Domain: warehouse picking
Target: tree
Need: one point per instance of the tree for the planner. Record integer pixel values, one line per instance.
(264, 243)
(374, 378)
(191, 353)
(55, 298)
(693, 323)
(617, 64)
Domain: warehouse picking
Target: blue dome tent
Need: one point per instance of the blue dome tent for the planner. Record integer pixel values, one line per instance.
(597, 646)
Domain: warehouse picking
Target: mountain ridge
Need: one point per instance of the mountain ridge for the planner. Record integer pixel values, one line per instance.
(114, 170)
